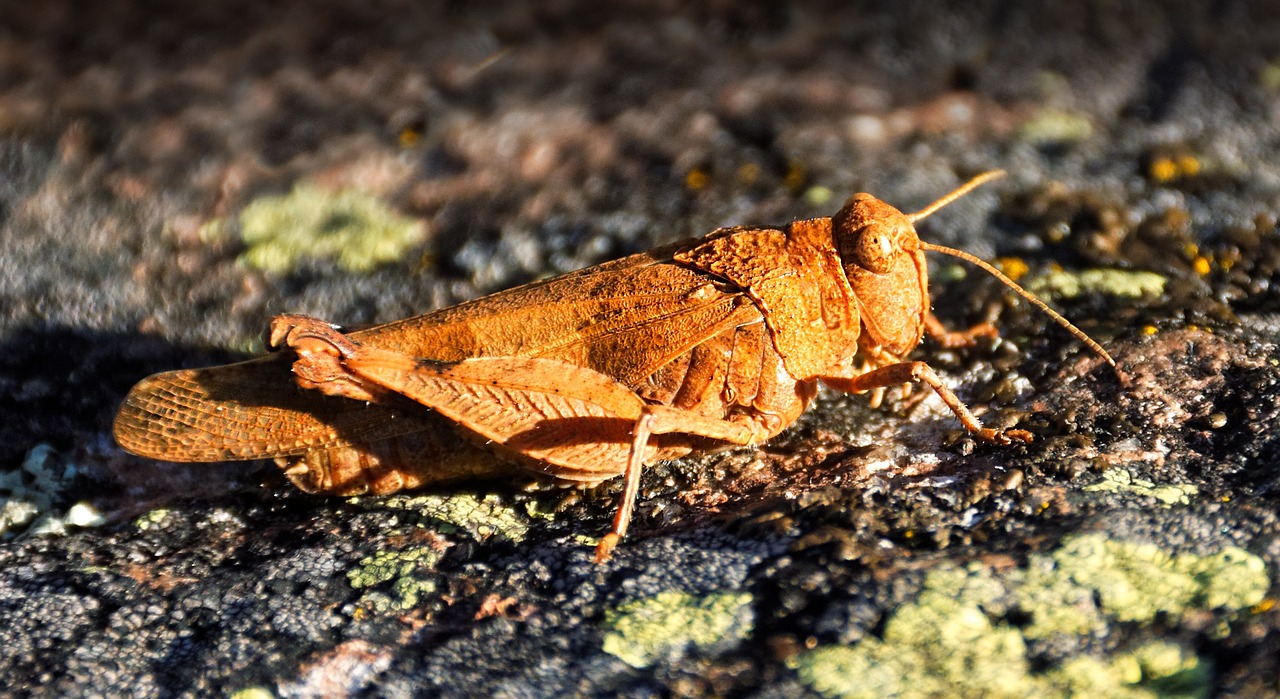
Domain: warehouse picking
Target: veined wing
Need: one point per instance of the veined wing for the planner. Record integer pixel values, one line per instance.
(622, 320)
(248, 410)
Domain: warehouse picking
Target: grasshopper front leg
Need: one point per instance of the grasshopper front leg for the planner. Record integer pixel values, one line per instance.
(919, 372)
(557, 418)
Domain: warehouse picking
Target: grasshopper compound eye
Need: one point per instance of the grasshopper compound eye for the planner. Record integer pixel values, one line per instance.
(870, 234)
(876, 247)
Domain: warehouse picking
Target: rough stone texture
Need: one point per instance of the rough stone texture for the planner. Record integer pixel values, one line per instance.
(535, 138)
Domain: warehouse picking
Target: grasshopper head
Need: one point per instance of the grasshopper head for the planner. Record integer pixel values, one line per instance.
(872, 235)
(886, 269)
(883, 259)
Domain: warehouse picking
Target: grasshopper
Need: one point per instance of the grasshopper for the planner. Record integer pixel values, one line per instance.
(704, 344)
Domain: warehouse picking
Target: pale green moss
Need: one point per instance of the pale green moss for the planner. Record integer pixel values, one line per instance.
(1119, 480)
(354, 228)
(1056, 126)
(480, 517)
(951, 640)
(642, 632)
(1111, 282)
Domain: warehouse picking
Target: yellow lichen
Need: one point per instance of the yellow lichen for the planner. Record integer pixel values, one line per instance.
(642, 632)
(353, 228)
(954, 640)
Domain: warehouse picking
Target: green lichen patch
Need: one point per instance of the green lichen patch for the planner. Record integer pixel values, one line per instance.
(943, 644)
(354, 228)
(402, 578)
(1120, 480)
(252, 693)
(645, 631)
(956, 638)
(1135, 581)
(1156, 669)
(152, 518)
(1056, 126)
(409, 572)
(481, 517)
(1111, 282)
(387, 565)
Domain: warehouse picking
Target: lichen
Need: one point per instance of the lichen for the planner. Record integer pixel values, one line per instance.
(645, 631)
(1056, 126)
(1135, 581)
(1157, 669)
(956, 639)
(152, 518)
(252, 693)
(386, 565)
(481, 517)
(1120, 480)
(354, 228)
(409, 572)
(1111, 282)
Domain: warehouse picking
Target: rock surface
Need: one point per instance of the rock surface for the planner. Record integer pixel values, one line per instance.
(151, 161)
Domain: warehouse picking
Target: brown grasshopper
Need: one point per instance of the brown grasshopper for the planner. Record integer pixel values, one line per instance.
(704, 344)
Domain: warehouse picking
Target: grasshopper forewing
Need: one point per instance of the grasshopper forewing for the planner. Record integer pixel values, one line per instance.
(585, 377)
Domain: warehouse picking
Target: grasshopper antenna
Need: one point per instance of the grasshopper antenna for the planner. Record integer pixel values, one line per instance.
(956, 194)
(1071, 328)
(960, 192)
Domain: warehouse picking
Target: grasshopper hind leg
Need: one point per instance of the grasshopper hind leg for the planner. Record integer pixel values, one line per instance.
(631, 487)
(536, 410)
(660, 419)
